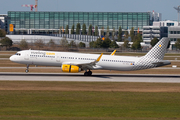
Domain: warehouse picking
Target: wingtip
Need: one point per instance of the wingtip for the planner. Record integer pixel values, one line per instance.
(99, 57)
(113, 52)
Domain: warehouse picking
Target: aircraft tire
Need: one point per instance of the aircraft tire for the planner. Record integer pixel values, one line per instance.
(26, 71)
(89, 73)
(86, 74)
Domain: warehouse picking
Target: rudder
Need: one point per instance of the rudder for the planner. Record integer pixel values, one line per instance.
(159, 50)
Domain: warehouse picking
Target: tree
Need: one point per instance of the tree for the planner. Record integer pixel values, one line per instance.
(51, 43)
(136, 45)
(84, 29)
(39, 44)
(126, 44)
(82, 45)
(113, 44)
(120, 35)
(67, 29)
(72, 44)
(78, 27)
(96, 31)
(23, 44)
(64, 42)
(106, 43)
(102, 31)
(91, 44)
(177, 44)
(7, 42)
(60, 28)
(132, 34)
(2, 33)
(113, 33)
(139, 37)
(154, 41)
(90, 30)
(72, 29)
(126, 34)
(107, 32)
(98, 43)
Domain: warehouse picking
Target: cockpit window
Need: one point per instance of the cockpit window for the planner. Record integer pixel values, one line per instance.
(19, 54)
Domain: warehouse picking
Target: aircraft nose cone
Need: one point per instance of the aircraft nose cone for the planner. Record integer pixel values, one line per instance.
(11, 58)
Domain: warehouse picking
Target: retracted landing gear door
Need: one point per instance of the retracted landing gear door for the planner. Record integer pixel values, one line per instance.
(57, 57)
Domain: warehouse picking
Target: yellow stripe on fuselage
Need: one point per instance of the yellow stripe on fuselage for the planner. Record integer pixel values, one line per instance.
(48, 53)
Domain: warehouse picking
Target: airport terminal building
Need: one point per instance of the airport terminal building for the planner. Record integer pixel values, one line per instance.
(30, 22)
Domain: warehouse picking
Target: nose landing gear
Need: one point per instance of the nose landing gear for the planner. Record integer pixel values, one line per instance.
(27, 70)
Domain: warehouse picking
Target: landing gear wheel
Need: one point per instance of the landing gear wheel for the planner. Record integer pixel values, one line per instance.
(86, 74)
(27, 71)
(89, 73)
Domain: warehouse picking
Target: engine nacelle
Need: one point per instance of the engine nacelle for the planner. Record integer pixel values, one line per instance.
(70, 68)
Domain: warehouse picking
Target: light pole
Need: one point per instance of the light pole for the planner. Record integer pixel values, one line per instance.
(178, 10)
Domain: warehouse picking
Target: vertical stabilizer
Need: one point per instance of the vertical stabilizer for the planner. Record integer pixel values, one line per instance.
(154, 57)
(158, 51)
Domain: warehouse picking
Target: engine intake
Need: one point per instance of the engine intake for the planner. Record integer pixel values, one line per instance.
(70, 68)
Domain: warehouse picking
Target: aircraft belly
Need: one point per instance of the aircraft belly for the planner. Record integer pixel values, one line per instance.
(45, 62)
(120, 67)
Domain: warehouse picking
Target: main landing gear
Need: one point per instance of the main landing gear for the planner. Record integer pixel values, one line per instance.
(27, 70)
(89, 73)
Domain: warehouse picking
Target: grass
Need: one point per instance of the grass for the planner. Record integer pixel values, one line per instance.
(5, 56)
(8, 52)
(88, 104)
(8, 63)
(173, 63)
(171, 58)
(112, 105)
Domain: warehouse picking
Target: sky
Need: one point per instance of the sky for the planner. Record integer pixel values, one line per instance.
(161, 6)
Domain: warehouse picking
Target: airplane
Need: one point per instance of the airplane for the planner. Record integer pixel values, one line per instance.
(76, 62)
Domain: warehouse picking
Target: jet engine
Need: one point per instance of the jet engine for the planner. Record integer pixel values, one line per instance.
(70, 68)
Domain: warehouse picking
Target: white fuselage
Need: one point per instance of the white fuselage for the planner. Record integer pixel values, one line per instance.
(51, 58)
(76, 62)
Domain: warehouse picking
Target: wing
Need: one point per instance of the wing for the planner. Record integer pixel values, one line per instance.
(87, 65)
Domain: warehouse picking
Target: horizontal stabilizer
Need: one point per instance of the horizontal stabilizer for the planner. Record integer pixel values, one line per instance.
(162, 63)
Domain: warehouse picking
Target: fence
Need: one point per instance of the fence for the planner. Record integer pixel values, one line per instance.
(56, 37)
(84, 38)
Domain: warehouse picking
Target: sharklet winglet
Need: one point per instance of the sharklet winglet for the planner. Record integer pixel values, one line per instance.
(113, 53)
(98, 59)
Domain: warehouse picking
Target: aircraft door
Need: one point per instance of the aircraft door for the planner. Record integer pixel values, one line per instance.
(58, 57)
(26, 57)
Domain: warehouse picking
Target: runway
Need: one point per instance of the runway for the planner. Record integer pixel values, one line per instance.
(96, 77)
(60, 68)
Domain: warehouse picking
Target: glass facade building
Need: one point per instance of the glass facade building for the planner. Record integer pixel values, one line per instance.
(40, 22)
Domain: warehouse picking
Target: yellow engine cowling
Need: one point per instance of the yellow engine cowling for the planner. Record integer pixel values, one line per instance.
(71, 68)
